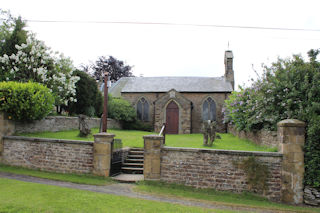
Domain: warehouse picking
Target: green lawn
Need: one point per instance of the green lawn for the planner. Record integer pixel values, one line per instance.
(132, 138)
(211, 195)
(7, 204)
(73, 178)
(18, 196)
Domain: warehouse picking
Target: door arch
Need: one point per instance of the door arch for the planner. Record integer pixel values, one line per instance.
(172, 118)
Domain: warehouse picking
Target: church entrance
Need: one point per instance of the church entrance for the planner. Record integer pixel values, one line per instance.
(172, 118)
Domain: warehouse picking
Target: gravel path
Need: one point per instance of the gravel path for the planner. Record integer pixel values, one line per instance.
(123, 189)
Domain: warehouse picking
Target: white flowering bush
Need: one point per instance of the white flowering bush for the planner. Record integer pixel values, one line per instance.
(34, 61)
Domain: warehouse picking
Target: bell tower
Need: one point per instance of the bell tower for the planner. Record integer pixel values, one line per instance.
(228, 63)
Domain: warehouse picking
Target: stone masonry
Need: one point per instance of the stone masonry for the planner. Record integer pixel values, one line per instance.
(207, 168)
(291, 135)
(261, 137)
(156, 113)
(152, 156)
(60, 123)
(48, 154)
(102, 153)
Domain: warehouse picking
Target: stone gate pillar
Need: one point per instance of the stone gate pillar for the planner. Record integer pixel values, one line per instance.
(152, 156)
(102, 153)
(291, 135)
(7, 127)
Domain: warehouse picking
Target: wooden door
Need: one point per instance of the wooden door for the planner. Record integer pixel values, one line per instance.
(172, 118)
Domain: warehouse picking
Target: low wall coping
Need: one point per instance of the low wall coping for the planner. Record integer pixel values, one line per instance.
(222, 151)
(50, 140)
(154, 137)
(291, 123)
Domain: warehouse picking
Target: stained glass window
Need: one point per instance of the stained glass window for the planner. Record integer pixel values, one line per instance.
(143, 110)
(209, 110)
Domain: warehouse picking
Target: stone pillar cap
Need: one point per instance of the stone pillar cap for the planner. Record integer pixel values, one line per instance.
(291, 123)
(153, 137)
(104, 134)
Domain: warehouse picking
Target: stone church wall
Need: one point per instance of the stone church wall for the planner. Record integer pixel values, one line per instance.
(196, 98)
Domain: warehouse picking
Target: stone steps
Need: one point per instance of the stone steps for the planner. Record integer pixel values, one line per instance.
(134, 162)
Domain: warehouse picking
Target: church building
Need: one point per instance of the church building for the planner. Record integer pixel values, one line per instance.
(183, 103)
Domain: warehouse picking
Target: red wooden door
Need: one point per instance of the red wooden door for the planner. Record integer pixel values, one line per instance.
(172, 118)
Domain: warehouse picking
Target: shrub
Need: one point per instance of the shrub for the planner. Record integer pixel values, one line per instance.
(25, 101)
(121, 110)
(89, 98)
(137, 125)
(289, 88)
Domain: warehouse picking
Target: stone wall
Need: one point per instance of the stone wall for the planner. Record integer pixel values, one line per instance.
(312, 196)
(48, 154)
(197, 100)
(59, 123)
(206, 168)
(262, 137)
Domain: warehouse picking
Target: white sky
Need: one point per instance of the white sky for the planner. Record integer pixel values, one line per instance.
(157, 50)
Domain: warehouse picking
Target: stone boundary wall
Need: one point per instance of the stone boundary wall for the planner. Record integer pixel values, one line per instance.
(262, 137)
(66, 156)
(207, 168)
(59, 123)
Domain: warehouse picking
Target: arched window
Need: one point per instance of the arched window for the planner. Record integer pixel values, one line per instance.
(209, 110)
(143, 110)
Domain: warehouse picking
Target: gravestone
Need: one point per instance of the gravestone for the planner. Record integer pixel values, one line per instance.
(83, 126)
(209, 132)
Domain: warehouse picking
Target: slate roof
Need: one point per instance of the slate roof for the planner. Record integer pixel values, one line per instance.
(164, 84)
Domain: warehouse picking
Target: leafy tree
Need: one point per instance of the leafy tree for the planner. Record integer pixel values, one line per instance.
(23, 58)
(33, 62)
(289, 88)
(7, 24)
(17, 37)
(116, 68)
(89, 98)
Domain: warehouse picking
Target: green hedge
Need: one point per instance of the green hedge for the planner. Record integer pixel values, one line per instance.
(25, 101)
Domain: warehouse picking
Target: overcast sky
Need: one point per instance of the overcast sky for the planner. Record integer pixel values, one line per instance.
(173, 50)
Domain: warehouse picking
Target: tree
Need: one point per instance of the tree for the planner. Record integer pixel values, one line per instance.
(7, 24)
(33, 62)
(113, 66)
(89, 98)
(289, 88)
(17, 37)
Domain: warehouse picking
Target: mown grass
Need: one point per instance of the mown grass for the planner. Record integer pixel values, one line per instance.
(211, 195)
(18, 196)
(133, 138)
(73, 178)
(151, 187)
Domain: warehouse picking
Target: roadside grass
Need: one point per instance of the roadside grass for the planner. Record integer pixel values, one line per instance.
(133, 138)
(18, 196)
(158, 188)
(211, 195)
(73, 178)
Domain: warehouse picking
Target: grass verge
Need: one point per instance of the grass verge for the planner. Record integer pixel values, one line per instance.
(18, 196)
(133, 138)
(73, 178)
(211, 195)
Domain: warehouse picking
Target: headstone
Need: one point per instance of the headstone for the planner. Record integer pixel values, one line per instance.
(83, 126)
(209, 132)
